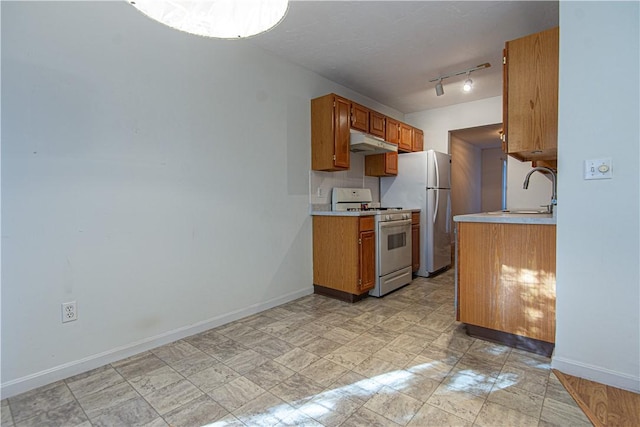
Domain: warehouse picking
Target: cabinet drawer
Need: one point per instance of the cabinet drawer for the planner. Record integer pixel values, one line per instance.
(366, 223)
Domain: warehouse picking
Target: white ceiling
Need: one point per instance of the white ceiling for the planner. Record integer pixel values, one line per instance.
(389, 50)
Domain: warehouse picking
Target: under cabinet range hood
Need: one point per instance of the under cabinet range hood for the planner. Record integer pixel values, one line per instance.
(367, 144)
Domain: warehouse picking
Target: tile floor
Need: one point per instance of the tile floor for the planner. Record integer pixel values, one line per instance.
(400, 360)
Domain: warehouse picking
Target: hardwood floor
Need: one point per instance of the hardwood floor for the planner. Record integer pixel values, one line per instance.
(604, 405)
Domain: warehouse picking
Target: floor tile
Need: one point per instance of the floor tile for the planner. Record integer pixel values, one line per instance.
(356, 385)
(461, 404)
(321, 346)
(323, 372)
(70, 414)
(265, 410)
(474, 365)
(194, 363)
(273, 348)
(526, 379)
(173, 396)
(155, 380)
(269, 374)
(5, 414)
(297, 390)
(132, 412)
(470, 382)
(226, 350)
(296, 359)
(138, 365)
(430, 416)
(236, 393)
(298, 418)
(348, 357)
(560, 414)
(94, 380)
(246, 361)
(175, 351)
(556, 391)
(493, 414)
(393, 405)
(96, 403)
(38, 401)
(442, 354)
(489, 351)
(213, 377)
(364, 417)
(198, 412)
(429, 368)
(518, 399)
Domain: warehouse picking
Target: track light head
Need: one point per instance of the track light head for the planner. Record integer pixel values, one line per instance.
(468, 85)
(439, 89)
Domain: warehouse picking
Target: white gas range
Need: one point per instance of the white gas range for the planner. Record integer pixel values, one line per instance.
(393, 237)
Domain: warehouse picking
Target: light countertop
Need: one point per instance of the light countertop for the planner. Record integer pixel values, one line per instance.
(352, 213)
(507, 218)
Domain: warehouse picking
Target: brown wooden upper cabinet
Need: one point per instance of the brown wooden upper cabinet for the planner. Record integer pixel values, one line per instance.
(377, 124)
(530, 110)
(385, 164)
(406, 138)
(330, 122)
(418, 140)
(359, 117)
(393, 131)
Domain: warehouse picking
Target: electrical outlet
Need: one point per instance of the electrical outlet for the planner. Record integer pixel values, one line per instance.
(69, 311)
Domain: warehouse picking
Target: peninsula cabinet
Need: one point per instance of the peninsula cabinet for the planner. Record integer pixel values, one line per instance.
(344, 256)
(506, 279)
(530, 96)
(385, 164)
(330, 123)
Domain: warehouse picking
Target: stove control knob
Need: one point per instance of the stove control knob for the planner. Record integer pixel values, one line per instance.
(387, 217)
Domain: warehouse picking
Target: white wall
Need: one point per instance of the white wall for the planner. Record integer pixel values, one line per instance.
(466, 177)
(159, 179)
(598, 277)
(492, 179)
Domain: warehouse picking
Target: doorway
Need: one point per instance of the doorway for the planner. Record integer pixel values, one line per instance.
(478, 172)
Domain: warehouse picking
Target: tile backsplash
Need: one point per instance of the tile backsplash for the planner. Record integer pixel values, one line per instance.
(321, 183)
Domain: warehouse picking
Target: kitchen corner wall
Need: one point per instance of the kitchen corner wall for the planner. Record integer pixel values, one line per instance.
(598, 274)
(159, 179)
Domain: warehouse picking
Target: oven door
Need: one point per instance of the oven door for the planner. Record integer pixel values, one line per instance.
(394, 245)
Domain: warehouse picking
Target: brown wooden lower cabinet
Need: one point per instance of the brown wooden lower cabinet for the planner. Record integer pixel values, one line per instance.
(507, 278)
(344, 254)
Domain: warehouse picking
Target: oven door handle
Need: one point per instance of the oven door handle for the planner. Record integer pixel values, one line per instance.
(400, 223)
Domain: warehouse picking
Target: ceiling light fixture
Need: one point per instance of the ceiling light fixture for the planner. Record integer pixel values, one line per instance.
(468, 84)
(225, 19)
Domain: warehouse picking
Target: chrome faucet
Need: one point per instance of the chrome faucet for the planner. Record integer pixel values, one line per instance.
(554, 196)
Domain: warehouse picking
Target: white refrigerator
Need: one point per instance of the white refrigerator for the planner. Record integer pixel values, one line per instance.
(424, 182)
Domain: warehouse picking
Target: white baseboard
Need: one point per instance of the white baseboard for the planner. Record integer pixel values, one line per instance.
(597, 374)
(66, 370)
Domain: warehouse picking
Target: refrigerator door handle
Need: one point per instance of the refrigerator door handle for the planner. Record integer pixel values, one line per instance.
(435, 210)
(435, 164)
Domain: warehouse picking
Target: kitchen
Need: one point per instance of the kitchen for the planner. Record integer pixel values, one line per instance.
(111, 218)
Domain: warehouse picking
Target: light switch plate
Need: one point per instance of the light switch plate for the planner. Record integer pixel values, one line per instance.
(598, 169)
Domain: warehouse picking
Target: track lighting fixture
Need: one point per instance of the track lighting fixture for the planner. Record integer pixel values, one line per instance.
(468, 84)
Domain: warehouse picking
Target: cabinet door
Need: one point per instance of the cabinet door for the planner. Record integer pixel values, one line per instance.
(359, 117)
(393, 131)
(415, 241)
(377, 124)
(418, 140)
(367, 260)
(406, 137)
(505, 288)
(391, 164)
(342, 118)
(532, 95)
